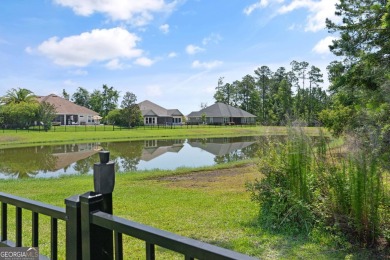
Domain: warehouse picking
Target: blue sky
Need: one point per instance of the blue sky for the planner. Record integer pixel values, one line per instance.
(171, 52)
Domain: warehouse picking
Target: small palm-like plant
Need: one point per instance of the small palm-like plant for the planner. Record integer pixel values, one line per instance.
(18, 96)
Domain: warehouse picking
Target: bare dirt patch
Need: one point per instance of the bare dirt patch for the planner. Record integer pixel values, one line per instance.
(229, 179)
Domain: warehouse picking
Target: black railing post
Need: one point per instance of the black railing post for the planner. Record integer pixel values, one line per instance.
(4, 222)
(97, 242)
(104, 179)
(73, 228)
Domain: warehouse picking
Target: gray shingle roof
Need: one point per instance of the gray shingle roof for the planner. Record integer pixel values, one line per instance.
(221, 110)
(151, 109)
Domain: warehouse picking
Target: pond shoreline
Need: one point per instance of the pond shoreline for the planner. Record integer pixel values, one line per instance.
(12, 139)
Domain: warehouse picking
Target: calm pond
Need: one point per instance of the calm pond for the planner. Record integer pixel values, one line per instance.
(129, 156)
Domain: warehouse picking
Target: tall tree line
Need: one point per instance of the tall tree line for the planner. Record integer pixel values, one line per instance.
(100, 101)
(277, 97)
(359, 79)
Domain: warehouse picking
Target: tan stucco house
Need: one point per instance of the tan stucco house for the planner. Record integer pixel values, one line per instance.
(68, 113)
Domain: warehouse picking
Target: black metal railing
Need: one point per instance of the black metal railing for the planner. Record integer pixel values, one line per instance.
(93, 232)
(37, 208)
(190, 248)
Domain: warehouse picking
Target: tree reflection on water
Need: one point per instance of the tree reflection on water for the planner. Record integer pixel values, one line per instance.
(56, 160)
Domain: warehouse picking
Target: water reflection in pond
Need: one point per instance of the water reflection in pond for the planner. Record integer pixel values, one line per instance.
(54, 161)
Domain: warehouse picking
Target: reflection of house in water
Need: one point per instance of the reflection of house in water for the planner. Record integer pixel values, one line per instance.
(155, 148)
(221, 146)
(68, 154)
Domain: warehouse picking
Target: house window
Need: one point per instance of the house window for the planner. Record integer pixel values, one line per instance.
(176, 120)
(225, 120)
(150, 120)
(150, 143)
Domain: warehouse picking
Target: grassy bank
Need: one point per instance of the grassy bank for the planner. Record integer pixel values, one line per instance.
(210, 204)
(13, 138)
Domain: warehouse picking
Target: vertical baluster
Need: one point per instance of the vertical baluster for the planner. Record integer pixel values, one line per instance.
(73, 228)
(150, 252)
(118, 246)
(4, 221)
(54, 238)
(18, 223)
(35, 225)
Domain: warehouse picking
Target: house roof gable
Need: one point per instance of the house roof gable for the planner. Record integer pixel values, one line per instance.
(64, 106)
(221, 110)
(149, 108)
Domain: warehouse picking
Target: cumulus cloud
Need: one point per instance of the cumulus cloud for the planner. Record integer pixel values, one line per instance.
(143, 61)
(261, 4)
(172, 54)
(70, 83)
(164, 28)
(79, 72)
(206, 65)
(114, 64)
(193, 49)
(212, 38)
(97, 45)
(136, 12)
(322, 47)
(318, 11)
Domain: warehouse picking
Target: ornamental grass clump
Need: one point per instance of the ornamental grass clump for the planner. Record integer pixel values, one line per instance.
(305, 185)
(285, 193)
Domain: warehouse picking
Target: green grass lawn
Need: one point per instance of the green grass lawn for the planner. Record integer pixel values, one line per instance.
(12, 138)
(209, 204)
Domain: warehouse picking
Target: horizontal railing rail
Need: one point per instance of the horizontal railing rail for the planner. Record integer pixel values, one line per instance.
(36, 207)
(33, 205)
(190, 248)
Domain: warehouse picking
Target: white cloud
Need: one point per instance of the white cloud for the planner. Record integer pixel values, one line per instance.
(172, 55)
(114, 65)
(136, 12)
(71, 83)
(206, 65)
(261, 4)
(193, 49)
(79, 72)
(153, 91)
(29, 50)
(143, 61)
(164, 28)
(212, 38)
(322, 47)
(97, 45)
(318, 12)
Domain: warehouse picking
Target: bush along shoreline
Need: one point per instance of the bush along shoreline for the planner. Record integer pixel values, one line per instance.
(307, 185)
